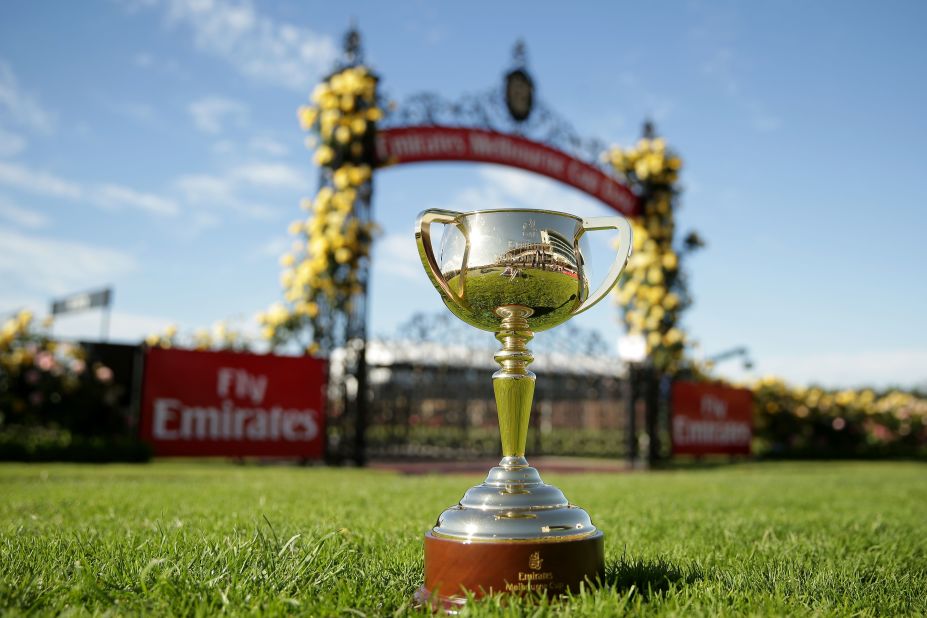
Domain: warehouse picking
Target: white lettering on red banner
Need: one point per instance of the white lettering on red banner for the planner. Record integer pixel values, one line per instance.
(437, 143)
(711, 419)
(224, 403)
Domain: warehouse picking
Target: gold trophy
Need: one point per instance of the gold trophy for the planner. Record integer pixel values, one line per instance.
(513, 272)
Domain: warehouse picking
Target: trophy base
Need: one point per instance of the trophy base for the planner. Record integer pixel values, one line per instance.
(454, 568)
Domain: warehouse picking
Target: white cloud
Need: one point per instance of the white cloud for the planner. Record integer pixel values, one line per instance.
(258, 46)
(10, 143)
(165, 66)
(38, 182)
(878, 368)
(45, 265)
(275, 247)
(204, 187)
(658, 106)
(260, 145)
(243, 189)
(269, 146)
(396, 254)
(271, 175)
(138, 111)
(118, 196)
(722, 68)
(20, 216)
(105, 195)
(128, 327)
(223, 147)
(21, 107)
(143, 60)
(219, 191)
(213, 114)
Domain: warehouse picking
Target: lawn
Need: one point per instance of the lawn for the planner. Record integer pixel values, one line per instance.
(182, 538)
(551, 295)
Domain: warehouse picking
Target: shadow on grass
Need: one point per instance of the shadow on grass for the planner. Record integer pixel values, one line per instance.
(648, 576)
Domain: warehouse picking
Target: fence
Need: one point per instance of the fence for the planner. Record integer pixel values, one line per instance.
(433, 398)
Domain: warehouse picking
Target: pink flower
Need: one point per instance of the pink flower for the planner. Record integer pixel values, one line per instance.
(45, 361)
(104, 374)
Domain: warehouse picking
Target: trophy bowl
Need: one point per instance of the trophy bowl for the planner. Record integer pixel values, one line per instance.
(513, 272)
(529, 258)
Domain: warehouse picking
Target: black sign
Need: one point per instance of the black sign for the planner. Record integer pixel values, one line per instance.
(519, 94)
(80, 302)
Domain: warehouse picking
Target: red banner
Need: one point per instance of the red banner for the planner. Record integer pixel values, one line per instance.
(232, 404)
(711, 419)
(437, 143)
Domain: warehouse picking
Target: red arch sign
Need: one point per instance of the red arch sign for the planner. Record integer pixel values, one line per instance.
(438, 143)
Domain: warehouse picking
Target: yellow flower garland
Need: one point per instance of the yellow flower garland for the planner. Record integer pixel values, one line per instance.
(322, 272)
(652, 296)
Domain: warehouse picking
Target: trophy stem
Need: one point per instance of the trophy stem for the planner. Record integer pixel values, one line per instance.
(513, 384)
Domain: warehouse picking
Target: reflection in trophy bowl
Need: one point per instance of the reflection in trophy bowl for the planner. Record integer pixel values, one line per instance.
(529, 258)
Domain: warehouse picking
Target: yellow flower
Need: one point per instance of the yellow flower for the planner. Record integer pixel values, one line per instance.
(342, 135)
(328, 101)
(295, 227)
(277, 314)
(327, 121)
(358, 126)
(343, 255)
(324, 195)
(320, 90)
(340, 178)
(24, 318)
(324, 155)
(308, 308)
(670, 261)
(307, 117)
(171, 331)
(374, 114)
(359, 174)
(673, 336)
(347, 103)
(343, 201)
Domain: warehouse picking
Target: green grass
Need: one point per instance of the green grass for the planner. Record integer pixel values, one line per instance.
(182, 538)
(550, 294)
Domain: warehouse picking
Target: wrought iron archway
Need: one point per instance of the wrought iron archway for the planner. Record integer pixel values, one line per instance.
(507, 124)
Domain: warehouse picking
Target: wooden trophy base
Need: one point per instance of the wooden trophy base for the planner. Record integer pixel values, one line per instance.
(453, 568)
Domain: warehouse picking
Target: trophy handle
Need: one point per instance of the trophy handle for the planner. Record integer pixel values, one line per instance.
(427, 254)
(624, 252)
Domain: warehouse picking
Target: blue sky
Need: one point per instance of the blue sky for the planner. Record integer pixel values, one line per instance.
(153, 145)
